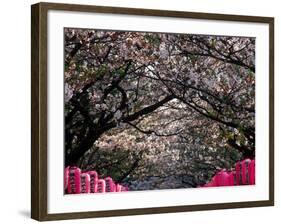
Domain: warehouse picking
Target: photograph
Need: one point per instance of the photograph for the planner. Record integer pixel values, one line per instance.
(138, 111)
(157, 111)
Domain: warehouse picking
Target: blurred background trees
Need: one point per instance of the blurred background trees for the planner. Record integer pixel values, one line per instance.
(158, 111)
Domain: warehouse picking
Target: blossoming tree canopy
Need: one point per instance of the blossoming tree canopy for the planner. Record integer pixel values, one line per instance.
(141, 104)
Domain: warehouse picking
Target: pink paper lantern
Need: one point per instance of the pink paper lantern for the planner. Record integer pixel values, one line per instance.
(93, 181)
(252, 172)
(101, 186)
(85, 183)
(74, 186)
(232, 178)
(222, 178)
(245, 171)
(238, 171)
(118, 187)
(66, 176)
(109, 184)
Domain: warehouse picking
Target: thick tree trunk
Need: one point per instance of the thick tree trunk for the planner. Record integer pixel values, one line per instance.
(72, 158)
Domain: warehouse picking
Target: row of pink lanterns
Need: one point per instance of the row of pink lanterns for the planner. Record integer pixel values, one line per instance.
(243, 174)
(77, 182)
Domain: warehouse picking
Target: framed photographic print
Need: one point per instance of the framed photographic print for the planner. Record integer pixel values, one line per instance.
(139, 111)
